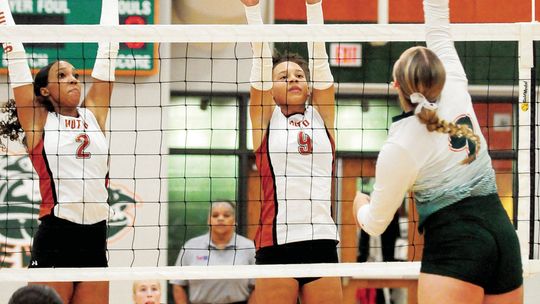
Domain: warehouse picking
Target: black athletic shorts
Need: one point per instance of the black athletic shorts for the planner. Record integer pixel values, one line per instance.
(306, 252)
(61, 243)
(474, 241)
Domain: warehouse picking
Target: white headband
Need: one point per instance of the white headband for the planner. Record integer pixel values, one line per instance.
(417, 98)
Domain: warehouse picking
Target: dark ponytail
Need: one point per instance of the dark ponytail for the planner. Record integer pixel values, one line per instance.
(10, 128)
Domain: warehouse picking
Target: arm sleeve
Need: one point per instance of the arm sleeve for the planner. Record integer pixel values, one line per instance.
(261, 68)
(439, 39)
(15, 55)
(107, 53)
(319, 68)
(395, 174)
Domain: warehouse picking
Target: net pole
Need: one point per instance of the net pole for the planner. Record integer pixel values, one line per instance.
(533, 229)
(525, 199)
(533, 163)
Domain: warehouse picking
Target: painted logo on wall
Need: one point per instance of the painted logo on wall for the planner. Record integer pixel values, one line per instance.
(19, 209)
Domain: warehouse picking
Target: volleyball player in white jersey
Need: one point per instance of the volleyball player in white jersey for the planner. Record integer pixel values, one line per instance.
(67, 146)
(437, 150)
(294, 148)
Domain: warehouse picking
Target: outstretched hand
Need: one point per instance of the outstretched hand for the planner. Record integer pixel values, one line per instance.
(360, 200)
(250, 2)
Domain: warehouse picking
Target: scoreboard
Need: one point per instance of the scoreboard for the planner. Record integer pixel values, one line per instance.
(139, 59)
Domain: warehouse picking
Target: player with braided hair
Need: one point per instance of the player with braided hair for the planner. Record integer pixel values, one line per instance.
(436, 149)
(410, 65)
(66, 143)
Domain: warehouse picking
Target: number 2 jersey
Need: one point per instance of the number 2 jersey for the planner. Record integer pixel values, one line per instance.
(296, 161)
(71, 161)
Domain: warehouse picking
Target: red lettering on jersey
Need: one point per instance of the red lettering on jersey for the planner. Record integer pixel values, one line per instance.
(305, 144)
(299, 123)
(75, 124)
(7, 48)
(70, 123)
(84, 141)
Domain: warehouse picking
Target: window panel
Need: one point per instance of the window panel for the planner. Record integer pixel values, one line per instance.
(363, 125)
(202, 123)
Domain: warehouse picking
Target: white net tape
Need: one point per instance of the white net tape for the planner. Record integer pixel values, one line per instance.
(269, 33)
(372, 270)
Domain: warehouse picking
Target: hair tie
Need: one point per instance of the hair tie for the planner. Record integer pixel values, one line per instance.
(422, 102)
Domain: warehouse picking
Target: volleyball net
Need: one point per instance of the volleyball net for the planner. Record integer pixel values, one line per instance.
(180, 138)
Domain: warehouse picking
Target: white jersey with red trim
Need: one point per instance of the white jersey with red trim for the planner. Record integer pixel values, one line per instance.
(296, 161)
(72, 163)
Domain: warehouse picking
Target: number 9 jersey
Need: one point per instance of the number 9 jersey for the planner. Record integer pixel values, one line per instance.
(296, 163)
(71, 161)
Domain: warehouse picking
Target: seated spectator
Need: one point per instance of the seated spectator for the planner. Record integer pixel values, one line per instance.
(147, 292)
(220, 246)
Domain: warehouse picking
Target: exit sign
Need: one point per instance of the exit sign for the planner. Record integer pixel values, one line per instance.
(346, 54)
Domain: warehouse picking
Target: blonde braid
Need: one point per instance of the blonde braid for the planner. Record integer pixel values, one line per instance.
(434, 123)
(419, 70)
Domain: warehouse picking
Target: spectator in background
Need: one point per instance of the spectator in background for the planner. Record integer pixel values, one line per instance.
(388, 249)
(388, 242)
(35, 294)
(147, 292)
(220, 246)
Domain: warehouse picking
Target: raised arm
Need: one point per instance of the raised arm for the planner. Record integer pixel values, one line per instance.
(439, 39)
(30, 113)
(323, 97)
(99, 96)
(261, 103)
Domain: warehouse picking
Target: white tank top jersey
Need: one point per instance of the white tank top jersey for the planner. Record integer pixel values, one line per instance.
(296, 161)
(71, 161)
